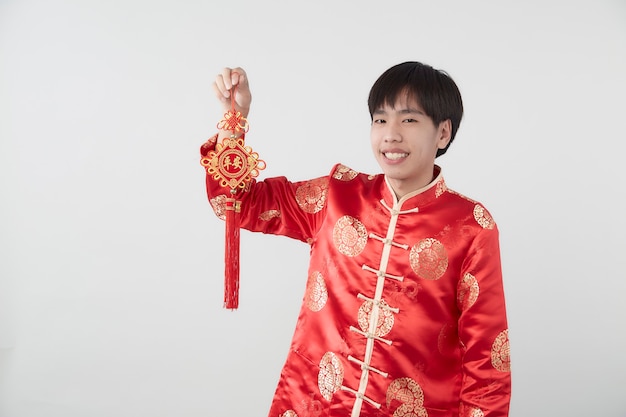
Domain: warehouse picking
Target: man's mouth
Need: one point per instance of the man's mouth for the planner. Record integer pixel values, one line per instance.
(394, 156)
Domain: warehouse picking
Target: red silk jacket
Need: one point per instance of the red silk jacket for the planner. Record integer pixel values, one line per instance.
(404, 311)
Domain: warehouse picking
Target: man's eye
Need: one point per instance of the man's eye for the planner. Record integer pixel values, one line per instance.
(410, 120)
(379, 121)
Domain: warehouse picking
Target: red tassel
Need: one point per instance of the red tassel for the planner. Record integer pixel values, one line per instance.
(231, 273)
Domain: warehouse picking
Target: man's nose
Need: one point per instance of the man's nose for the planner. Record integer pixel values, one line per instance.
(392, 133)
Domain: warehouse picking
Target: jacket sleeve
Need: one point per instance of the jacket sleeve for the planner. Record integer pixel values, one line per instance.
(274, 205)
(483, 330)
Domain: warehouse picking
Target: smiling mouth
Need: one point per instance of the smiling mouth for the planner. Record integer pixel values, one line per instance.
(394, 156)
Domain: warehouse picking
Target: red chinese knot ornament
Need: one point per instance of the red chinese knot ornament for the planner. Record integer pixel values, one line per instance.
(234, 165)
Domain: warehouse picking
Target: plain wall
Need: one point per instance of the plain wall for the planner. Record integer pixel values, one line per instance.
(111, 259)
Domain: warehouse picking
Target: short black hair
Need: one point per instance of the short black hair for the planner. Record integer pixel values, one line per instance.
(434, 90)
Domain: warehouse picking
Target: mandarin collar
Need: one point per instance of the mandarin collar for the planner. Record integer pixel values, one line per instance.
(417, 198)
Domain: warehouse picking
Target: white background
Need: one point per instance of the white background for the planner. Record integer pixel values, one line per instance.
(111, 259)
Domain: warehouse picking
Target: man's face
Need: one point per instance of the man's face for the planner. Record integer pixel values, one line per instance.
(405, 142)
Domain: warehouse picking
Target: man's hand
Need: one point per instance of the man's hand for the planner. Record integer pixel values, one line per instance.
(224, 85)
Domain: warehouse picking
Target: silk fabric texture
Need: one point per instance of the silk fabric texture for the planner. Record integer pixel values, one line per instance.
(404, 310)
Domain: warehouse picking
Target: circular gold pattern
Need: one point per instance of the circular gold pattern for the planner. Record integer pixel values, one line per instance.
(231, 162)
(316, 294)
(448, 339)
(406, 410)
(483, 217)
(385, 318)
(429, 259)
(330, 377)
(410, 395)
(467, 292)
(289, 413)
(311, 196)
(500, 352)
(343, 173)
(269, 214)
(349, 236)
(310, 407)
(470, 411)
(219, 206)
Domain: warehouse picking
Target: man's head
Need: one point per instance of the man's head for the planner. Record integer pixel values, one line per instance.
(433, 90)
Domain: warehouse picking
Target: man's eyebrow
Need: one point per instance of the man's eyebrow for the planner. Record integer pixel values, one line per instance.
(408, 110)
(411, 110)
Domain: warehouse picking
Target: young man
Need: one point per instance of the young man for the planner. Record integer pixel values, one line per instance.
(404, 312)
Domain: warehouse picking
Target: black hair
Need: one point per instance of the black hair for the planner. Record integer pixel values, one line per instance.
(434, 90)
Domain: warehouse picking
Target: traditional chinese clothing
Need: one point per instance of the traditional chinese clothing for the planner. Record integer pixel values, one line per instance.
(404, 312)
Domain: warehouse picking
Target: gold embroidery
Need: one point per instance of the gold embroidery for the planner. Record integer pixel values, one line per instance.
(410, 395)
(406, 410)
(441, 188)
(349, 236)
(311, 196)
(468, 292)
(448, 339)
(232, 163)
(483, 217)
(330, 377)
(316, 293)
(470, 411)
(344, 173)
(429, 259)
(385, 318)
(310, 407)
(219, 206)
(289, 413)
(500, 352)
(269, 214)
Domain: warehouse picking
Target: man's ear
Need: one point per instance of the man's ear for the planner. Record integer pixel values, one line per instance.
(445, 133)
